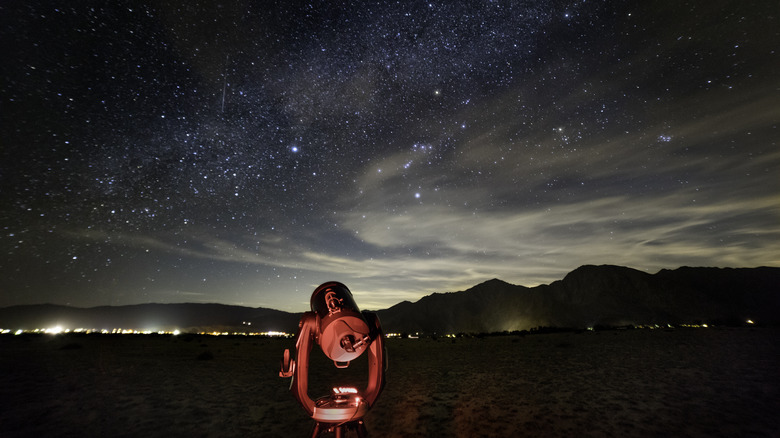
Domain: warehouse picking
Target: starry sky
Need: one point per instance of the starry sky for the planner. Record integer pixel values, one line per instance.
(245, 152)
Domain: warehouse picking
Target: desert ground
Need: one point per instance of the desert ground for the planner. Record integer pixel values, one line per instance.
(626, 383)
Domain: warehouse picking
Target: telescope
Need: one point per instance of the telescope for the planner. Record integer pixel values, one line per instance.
(343, 333)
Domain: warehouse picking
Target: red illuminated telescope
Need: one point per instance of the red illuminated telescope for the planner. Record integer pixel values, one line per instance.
(343, 333)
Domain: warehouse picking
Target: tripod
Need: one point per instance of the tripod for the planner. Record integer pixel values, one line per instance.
(340, 429)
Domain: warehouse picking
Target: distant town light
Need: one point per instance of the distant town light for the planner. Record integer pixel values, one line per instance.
(126, 331)
(54, 330)
(275, 333)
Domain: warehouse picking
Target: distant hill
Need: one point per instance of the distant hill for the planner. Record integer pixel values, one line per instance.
(598, 295)
(187, 317)
(586, 297)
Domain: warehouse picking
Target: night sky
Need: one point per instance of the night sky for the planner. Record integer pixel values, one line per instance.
(245, 152)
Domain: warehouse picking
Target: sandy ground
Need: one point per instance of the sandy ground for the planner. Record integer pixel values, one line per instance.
(633, 383)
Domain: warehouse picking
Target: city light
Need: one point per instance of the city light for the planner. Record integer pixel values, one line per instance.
(58, 329)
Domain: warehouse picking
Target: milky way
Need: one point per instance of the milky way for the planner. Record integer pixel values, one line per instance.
(245, 152)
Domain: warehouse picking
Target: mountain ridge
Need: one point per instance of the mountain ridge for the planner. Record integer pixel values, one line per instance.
(606, 295)
(590, 295)
(186, 317)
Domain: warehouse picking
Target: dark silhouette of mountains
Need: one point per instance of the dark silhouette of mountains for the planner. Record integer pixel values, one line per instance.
(588, 296)
(186, 317)
(599, 296)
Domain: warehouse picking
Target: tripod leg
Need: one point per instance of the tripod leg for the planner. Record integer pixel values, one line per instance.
(361, 429)
(340, 431)
(316, 430)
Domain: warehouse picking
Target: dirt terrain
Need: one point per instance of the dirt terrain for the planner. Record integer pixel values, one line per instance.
(629, 383)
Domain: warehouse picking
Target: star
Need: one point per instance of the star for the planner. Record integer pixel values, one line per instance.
(252, 147)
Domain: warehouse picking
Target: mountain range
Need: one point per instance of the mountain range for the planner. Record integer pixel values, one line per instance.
(599, 296)
(586, 297)
(185, 317)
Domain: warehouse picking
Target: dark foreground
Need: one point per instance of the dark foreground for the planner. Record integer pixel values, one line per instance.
(633, 383)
